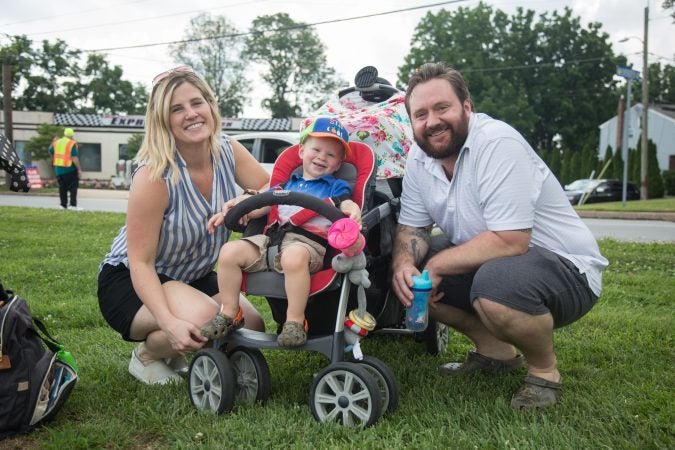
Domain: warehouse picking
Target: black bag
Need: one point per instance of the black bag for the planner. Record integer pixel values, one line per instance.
(34, 381)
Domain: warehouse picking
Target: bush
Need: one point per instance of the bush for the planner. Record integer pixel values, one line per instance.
(669, 181)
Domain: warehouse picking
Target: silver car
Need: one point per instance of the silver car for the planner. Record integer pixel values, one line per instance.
(266, 146)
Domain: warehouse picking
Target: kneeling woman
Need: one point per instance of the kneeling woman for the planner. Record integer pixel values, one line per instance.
(157, 285)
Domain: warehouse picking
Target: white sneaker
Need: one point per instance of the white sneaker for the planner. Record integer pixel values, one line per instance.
(77, 208)
(178, 364)
(156, 372)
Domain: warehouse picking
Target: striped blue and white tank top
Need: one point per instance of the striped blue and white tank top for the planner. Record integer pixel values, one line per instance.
(185, 250)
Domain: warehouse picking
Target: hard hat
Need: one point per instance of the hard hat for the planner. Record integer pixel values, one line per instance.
(68, 132)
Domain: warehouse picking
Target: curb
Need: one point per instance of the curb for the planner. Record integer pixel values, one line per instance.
(665, 216)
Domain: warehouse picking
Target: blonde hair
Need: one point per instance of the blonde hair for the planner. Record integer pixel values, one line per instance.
(158, 150)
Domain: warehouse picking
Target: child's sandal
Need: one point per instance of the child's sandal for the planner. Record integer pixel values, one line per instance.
(221, 325)
(293, 334)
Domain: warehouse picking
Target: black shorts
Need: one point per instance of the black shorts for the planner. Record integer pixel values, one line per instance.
(537, 282)
(119, 302)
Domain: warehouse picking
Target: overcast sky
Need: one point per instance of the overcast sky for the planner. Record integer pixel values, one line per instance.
(381, 41)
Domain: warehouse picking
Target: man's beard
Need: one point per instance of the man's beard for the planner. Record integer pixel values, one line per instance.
(458, 135)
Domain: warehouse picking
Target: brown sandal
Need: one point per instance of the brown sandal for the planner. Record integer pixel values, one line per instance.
(475, 362)
(293, 334)
(221, 325)
(536, 393)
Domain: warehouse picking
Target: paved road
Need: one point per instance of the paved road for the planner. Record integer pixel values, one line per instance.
(632, 230)
(116, 201)
(89, 199)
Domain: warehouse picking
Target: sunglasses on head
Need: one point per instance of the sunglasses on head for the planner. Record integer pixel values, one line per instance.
(163, 75)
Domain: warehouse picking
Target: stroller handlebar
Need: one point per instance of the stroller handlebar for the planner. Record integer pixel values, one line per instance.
(280, 197)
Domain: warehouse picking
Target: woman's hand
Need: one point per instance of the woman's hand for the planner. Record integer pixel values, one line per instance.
(219, 218)
(183, 336)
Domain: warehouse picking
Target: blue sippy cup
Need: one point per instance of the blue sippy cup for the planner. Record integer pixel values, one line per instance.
(417, 315)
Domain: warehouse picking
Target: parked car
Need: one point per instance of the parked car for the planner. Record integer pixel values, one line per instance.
(600, 191)
(266, 146)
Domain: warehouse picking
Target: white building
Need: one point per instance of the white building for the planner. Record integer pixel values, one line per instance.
(102, 140)
(661, 122)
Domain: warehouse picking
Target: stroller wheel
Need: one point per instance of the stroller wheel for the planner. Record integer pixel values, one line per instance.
(436, 337)
(252, 373)
(385, 380)
(211, 381)
(345, 393)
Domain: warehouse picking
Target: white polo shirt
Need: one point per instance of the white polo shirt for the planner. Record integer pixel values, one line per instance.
(499, 184)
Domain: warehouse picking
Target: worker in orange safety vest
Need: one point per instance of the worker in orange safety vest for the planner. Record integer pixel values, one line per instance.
(67, 168)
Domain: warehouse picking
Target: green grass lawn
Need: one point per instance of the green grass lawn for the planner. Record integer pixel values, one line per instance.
(617, 365)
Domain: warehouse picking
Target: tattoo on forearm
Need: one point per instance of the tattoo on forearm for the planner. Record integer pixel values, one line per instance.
(526, 230)
(411, 241)
(420, 244)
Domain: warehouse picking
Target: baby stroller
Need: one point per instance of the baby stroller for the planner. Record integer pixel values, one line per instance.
(10, 163)
(352, 393)
(373, 111)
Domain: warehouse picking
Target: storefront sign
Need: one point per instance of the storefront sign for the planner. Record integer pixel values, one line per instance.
(139, 122)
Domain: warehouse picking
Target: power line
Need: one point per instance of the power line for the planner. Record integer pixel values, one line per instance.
(70, 14)
(276, 30)
(144, 19)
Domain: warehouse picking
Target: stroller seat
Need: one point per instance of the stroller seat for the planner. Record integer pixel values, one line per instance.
(358, 171)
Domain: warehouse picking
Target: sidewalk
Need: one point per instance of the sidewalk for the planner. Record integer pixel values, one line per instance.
(101, 193)
(627, 215)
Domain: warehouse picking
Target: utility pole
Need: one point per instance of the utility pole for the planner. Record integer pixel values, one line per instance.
(624, 145)
(644, 159)
(7, 101)
(630, 75)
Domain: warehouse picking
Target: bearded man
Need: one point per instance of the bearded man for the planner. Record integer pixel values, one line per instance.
(514, 261)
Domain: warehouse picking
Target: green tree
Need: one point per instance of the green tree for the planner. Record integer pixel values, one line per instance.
(51, 83)
(616, 168)
(557, 75)
(656, 187)
(19, 54)
(102, 89)
(575, 166)
(661, 83)
(589, 161)
(38, 146)
(608, 156)
(295, 64)
(669, 4)
(634, 166)
(556, 164)
(49, 77)
(213, 47)
(134, 144)
(545, 156)
(566, 167)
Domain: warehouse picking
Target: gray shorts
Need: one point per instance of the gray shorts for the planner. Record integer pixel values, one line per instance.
(537, 282)
(316, 252)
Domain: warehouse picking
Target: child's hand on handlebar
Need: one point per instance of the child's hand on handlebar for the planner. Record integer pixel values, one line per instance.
(351, 210)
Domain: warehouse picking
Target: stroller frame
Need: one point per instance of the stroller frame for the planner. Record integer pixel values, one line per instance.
(352, 393)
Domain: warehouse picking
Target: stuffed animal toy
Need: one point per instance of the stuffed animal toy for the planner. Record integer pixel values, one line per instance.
(345, 235)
